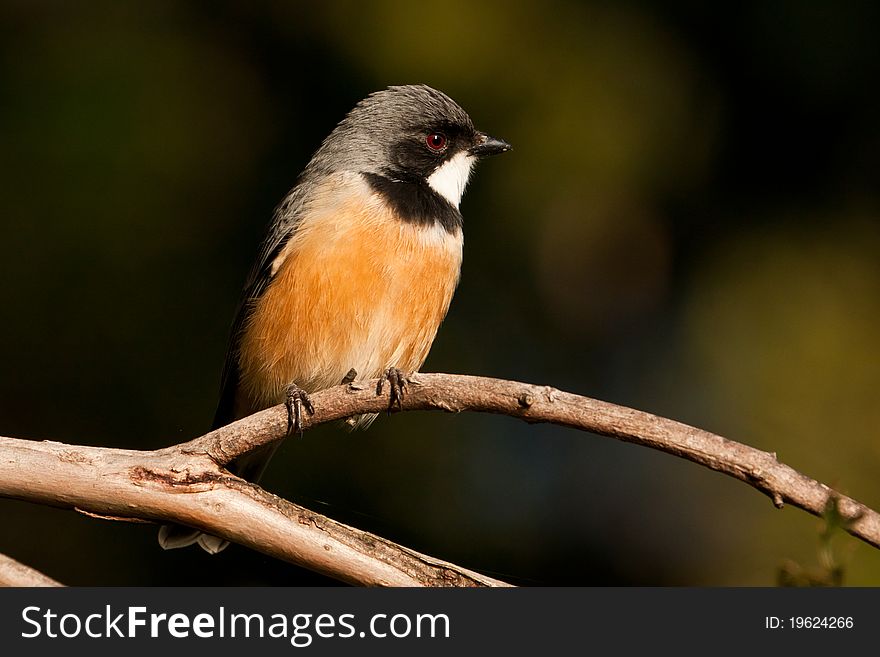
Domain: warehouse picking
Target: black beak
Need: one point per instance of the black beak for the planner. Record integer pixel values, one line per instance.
(487, 146)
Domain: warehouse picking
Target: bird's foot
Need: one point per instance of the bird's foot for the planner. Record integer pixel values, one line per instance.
(296, 399)
(397, 383)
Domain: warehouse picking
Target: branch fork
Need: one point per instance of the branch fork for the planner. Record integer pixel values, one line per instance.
(188, 483)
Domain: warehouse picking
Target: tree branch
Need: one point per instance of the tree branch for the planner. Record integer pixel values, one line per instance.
(14, 573)
(170, 485)
(532, 403)
(186, 483)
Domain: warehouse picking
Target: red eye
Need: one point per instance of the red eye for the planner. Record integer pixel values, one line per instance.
(436, 141)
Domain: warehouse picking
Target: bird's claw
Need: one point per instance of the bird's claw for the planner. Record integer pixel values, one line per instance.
(296, 399)
(397, 384)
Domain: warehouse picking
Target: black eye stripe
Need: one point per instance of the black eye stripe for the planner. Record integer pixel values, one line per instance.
(412, 158)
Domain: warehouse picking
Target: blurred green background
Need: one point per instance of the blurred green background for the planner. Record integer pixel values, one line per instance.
(688, 225)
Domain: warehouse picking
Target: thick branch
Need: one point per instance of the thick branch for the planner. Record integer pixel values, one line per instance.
(169, 485)
(186, 483)
(14, 573)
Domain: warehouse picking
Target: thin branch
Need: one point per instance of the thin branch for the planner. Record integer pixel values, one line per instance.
(532, 403)
(186, 483)
(15, 573)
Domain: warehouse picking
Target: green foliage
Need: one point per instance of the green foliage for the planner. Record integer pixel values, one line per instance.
(830, 569)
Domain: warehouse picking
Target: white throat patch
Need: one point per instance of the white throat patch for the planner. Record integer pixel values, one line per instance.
(450, 179)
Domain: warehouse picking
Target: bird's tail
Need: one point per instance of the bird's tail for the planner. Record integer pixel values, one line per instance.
(250, 467)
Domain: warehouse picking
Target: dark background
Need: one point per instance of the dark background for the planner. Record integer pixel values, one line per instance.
(688, 225)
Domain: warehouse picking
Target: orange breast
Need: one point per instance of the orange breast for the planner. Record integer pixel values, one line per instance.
(354, 288)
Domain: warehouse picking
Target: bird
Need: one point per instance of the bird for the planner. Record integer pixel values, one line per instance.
(357, 268)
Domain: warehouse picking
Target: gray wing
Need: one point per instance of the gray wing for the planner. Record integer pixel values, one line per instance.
(251, 466)
(284, 222)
